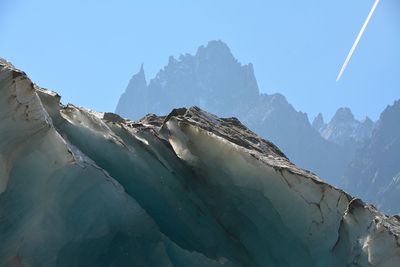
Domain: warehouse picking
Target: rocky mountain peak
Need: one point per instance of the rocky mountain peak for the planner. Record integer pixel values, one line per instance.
(391, 113)
(367, 123)
(345, 130)
(343, 115)
(215, 49)
(373, 173)
(367, 120)
(139, 79)
(211, 79)
(137, 88)
(319, 123)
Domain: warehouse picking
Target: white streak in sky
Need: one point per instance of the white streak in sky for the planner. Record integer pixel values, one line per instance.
(346, 62)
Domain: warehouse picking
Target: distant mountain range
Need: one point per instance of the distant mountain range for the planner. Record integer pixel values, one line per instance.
(374, 173)
(344, 129)
(215, 81)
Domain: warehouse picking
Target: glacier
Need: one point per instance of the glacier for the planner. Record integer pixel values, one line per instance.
(84, 188)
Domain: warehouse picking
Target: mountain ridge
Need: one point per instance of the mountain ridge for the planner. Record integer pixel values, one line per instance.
(373, 173)
(344, 129)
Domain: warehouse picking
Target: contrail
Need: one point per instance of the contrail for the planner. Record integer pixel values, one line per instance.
(346, 62)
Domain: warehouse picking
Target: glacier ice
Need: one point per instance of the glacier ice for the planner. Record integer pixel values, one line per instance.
(83, 188)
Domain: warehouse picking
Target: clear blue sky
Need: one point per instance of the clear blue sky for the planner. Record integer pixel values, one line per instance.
(87, 50)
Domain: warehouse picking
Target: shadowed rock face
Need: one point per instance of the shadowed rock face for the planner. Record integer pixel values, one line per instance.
(82, 188)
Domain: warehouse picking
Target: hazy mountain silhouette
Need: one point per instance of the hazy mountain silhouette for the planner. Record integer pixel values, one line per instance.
(212, 79)
(374, 173)
(344, 129)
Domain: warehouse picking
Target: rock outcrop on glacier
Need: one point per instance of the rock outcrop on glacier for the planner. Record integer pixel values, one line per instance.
(82, 188)
(215, 81)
